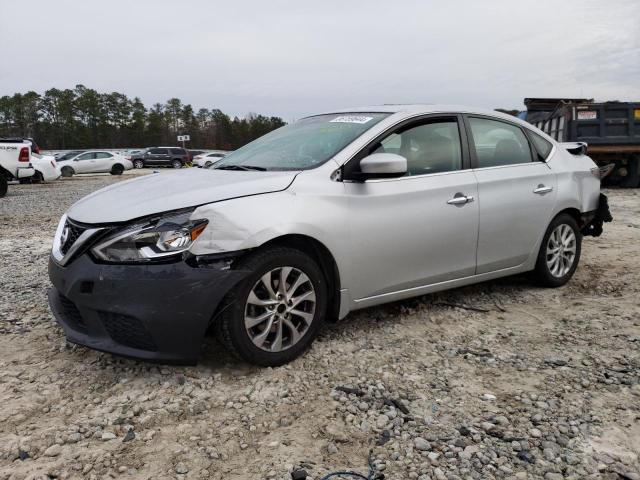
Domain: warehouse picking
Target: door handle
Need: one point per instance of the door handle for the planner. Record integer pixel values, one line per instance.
(541, 189)
(460, 199)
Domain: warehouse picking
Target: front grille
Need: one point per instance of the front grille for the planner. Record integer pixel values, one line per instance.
(72, 315)
(74, 232)
(128, 331)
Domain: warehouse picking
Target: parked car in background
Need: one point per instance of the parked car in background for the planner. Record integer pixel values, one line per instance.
(95, 161)
(15, 161)
(135, 151)
(46, 169)
(195, 153)
(327, 215)
(208, 158)
(175, 157)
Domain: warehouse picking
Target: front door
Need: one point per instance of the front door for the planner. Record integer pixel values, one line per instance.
(517, 193)
(158, 156)
(421, 228)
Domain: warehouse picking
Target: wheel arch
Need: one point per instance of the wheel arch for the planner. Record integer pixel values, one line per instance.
(573, 212)
(323, 257)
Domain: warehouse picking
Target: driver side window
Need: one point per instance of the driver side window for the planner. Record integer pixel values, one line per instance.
(87, 156)
(432, 147)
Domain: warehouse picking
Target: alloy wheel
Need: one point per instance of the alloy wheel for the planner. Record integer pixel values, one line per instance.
(280, 309)
(561, 250)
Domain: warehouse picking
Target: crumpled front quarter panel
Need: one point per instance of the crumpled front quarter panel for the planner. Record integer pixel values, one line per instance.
(314, 206)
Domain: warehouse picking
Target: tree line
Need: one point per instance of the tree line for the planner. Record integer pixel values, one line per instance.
(86, 118)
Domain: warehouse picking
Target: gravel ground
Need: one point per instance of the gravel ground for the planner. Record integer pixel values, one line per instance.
(530, 383)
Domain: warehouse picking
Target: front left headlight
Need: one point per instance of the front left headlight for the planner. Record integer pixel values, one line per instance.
(158, 239)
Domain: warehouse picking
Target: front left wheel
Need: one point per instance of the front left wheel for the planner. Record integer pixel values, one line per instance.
(273, 315)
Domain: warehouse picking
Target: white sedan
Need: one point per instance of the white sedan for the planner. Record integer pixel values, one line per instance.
(46, 168)
(95, 161)
(208, 158)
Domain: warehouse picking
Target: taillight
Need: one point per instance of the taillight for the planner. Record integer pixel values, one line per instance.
(24, 154)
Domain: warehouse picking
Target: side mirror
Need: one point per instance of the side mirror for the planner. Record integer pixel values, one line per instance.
(381, 165)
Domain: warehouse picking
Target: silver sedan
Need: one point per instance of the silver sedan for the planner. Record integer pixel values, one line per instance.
(333, 213)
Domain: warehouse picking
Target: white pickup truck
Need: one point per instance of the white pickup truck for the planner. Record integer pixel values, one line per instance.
(15, 161)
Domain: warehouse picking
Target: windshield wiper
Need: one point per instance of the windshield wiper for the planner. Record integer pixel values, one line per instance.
(241, 168)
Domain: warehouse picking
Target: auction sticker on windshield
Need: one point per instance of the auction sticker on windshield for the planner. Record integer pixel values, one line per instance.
(351, 119)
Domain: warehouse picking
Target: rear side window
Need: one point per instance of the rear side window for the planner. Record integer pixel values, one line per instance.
(103, 155)
(543, 147)
(177, 151)
(498, 143)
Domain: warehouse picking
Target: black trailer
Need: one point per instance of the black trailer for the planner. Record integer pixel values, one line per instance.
(610, 129)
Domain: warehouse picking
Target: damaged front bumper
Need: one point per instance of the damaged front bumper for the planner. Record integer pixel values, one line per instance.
(154, 312)
(593, 221)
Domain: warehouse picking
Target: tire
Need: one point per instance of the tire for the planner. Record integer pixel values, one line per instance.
(67, 172)
(37, 177)
(4, 186)
(117, 169)
(176, 164)
(555, 274)
(304, 277)
(632, 179)
(138, 164)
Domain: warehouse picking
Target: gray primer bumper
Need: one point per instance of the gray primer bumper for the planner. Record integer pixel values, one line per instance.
(153, 312)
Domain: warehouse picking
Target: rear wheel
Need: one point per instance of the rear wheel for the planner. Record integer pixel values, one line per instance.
(632, 179)
(559, 253)
(117, 169)
(176, 164)
(3, 185)
(273, 315)
(138, 164)
(67, 172)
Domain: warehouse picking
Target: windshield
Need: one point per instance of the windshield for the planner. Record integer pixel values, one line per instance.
(301, 145)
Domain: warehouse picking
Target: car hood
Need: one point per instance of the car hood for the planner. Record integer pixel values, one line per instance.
(161, 192)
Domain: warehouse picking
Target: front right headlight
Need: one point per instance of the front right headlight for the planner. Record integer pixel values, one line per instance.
(159, 239)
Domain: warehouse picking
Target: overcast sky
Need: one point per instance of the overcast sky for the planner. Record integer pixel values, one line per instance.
(292, 57)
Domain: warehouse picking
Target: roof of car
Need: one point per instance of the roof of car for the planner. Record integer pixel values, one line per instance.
(416, 109)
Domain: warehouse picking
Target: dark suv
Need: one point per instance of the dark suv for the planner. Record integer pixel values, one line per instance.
(161, 157)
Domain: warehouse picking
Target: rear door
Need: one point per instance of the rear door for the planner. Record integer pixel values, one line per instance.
(103, 161)
(179, 154)
(516, 192)
(85, 163)
(158, 156)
